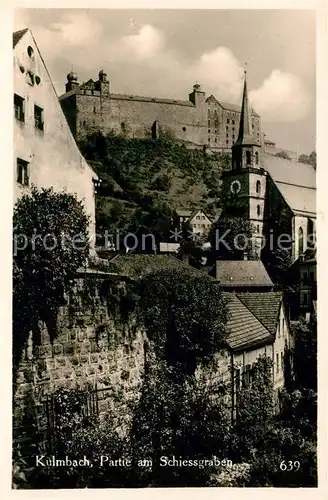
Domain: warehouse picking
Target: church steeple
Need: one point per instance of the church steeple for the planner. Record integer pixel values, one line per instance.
(245, 151)
(245, 136)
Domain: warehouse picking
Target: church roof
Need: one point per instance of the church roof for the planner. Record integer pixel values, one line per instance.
(295, 181)
(245, 134)
(243, 328)
(265, 306)
(17, 35)
(242, 273)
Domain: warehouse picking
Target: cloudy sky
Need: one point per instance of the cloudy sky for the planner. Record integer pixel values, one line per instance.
(163, 53)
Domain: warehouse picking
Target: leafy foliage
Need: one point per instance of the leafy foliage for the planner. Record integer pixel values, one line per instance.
(311, 159)
(283, 154)
(148, 178)
(184, 315)
(231, 238)
(50, 244)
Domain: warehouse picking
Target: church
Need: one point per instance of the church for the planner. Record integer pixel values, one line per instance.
(276, 195)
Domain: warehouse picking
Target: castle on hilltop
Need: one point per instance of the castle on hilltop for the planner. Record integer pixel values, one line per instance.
(197, 122)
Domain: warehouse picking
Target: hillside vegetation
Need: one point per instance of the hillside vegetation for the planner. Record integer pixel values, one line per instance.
(144, 180)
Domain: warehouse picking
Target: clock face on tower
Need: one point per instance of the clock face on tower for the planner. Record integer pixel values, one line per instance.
(235, 187)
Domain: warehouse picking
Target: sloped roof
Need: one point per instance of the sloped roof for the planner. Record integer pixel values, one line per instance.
(18, 35)
(243, 328)
(265, 306)
(242, 273)
(295, 181)
(235, 107)
(289, 171)
(184, 213)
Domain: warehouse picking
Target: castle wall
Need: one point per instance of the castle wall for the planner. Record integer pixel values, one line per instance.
(136, 117)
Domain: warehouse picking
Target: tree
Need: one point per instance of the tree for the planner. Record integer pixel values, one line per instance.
(184, 314)
(50, 244)
(305, 354)
(231, 238)
(310, 159)
(283, 154)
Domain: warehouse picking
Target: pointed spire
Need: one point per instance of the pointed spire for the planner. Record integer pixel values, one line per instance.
(245, 135)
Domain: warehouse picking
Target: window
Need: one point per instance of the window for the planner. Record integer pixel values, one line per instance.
(282, 361)
(209, 130)
(215, 131)
(258, 228)
(233, 122)
(30, 51)
(19, 108)
(237, 379)
(258, 187)
(256, 158)
(184, 129)
(228, 121)
(277, 362)
(253, 126)
(84, 123)
(94, 109)
(215, 140)
(123, 127)
(227, 142)
(300, 241)
(209, 123)
(216, 123)
(209, 140)
(22, 172)
(258, 210)
(227, 135)
(248, 158)
(30, 78)
(283, 325)
(227, 128)
(233, 137)
(38, 117)
(247, 375)
(233, 129)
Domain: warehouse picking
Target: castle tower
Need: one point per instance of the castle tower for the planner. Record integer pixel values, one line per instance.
(72, 81)
(245, 185)
(103, 83)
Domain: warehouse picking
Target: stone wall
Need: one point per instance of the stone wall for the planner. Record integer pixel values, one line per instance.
(92, 351)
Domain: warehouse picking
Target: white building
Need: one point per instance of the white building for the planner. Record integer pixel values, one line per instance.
(45, 152)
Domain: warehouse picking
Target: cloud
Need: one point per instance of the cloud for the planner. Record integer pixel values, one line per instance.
(146, 43)
(143, 51)
(220, 73)
(77, 28)
(281, 98)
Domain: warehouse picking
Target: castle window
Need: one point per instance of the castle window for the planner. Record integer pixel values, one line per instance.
(94, 109)
(256, 157)
(300, 241)
(216, 123)
(228, 121)
(215, 139)
(233, 137)
(227, 128)
(19, 108)
(22, 172)
(209, 123)
(253, 126)
(184, 129)
(258, 210)
(248, 158)
(258, 187)
(38, 117)
(233, 122)
(277, 364)
(227, 135)
(209, 130)
(209, 139)
(215, 131)
(233, 129)
(227, 142)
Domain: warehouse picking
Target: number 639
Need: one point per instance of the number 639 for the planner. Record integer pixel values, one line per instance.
(290, 465)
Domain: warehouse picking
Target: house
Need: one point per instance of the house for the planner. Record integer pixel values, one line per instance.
(45, 152)
(198, 220)
(257, 326)
(306, 266)
(243, 276)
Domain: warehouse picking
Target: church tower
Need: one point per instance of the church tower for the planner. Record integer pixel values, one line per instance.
(244, 186)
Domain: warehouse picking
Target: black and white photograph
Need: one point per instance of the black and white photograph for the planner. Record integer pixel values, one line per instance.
(164, 248)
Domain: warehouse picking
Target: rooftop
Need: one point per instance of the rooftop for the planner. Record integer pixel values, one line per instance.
(243, 328)
(18, 35)
(265, 306)
(242, 273)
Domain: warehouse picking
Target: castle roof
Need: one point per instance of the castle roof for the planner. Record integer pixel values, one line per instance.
(242, 273)
(243, 328)
(228, 106)
(295, 181)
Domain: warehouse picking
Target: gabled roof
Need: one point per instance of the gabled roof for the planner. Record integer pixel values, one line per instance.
(265, 306)
(243, 328)
(18, 35)
(295, 181)
(243, 273)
